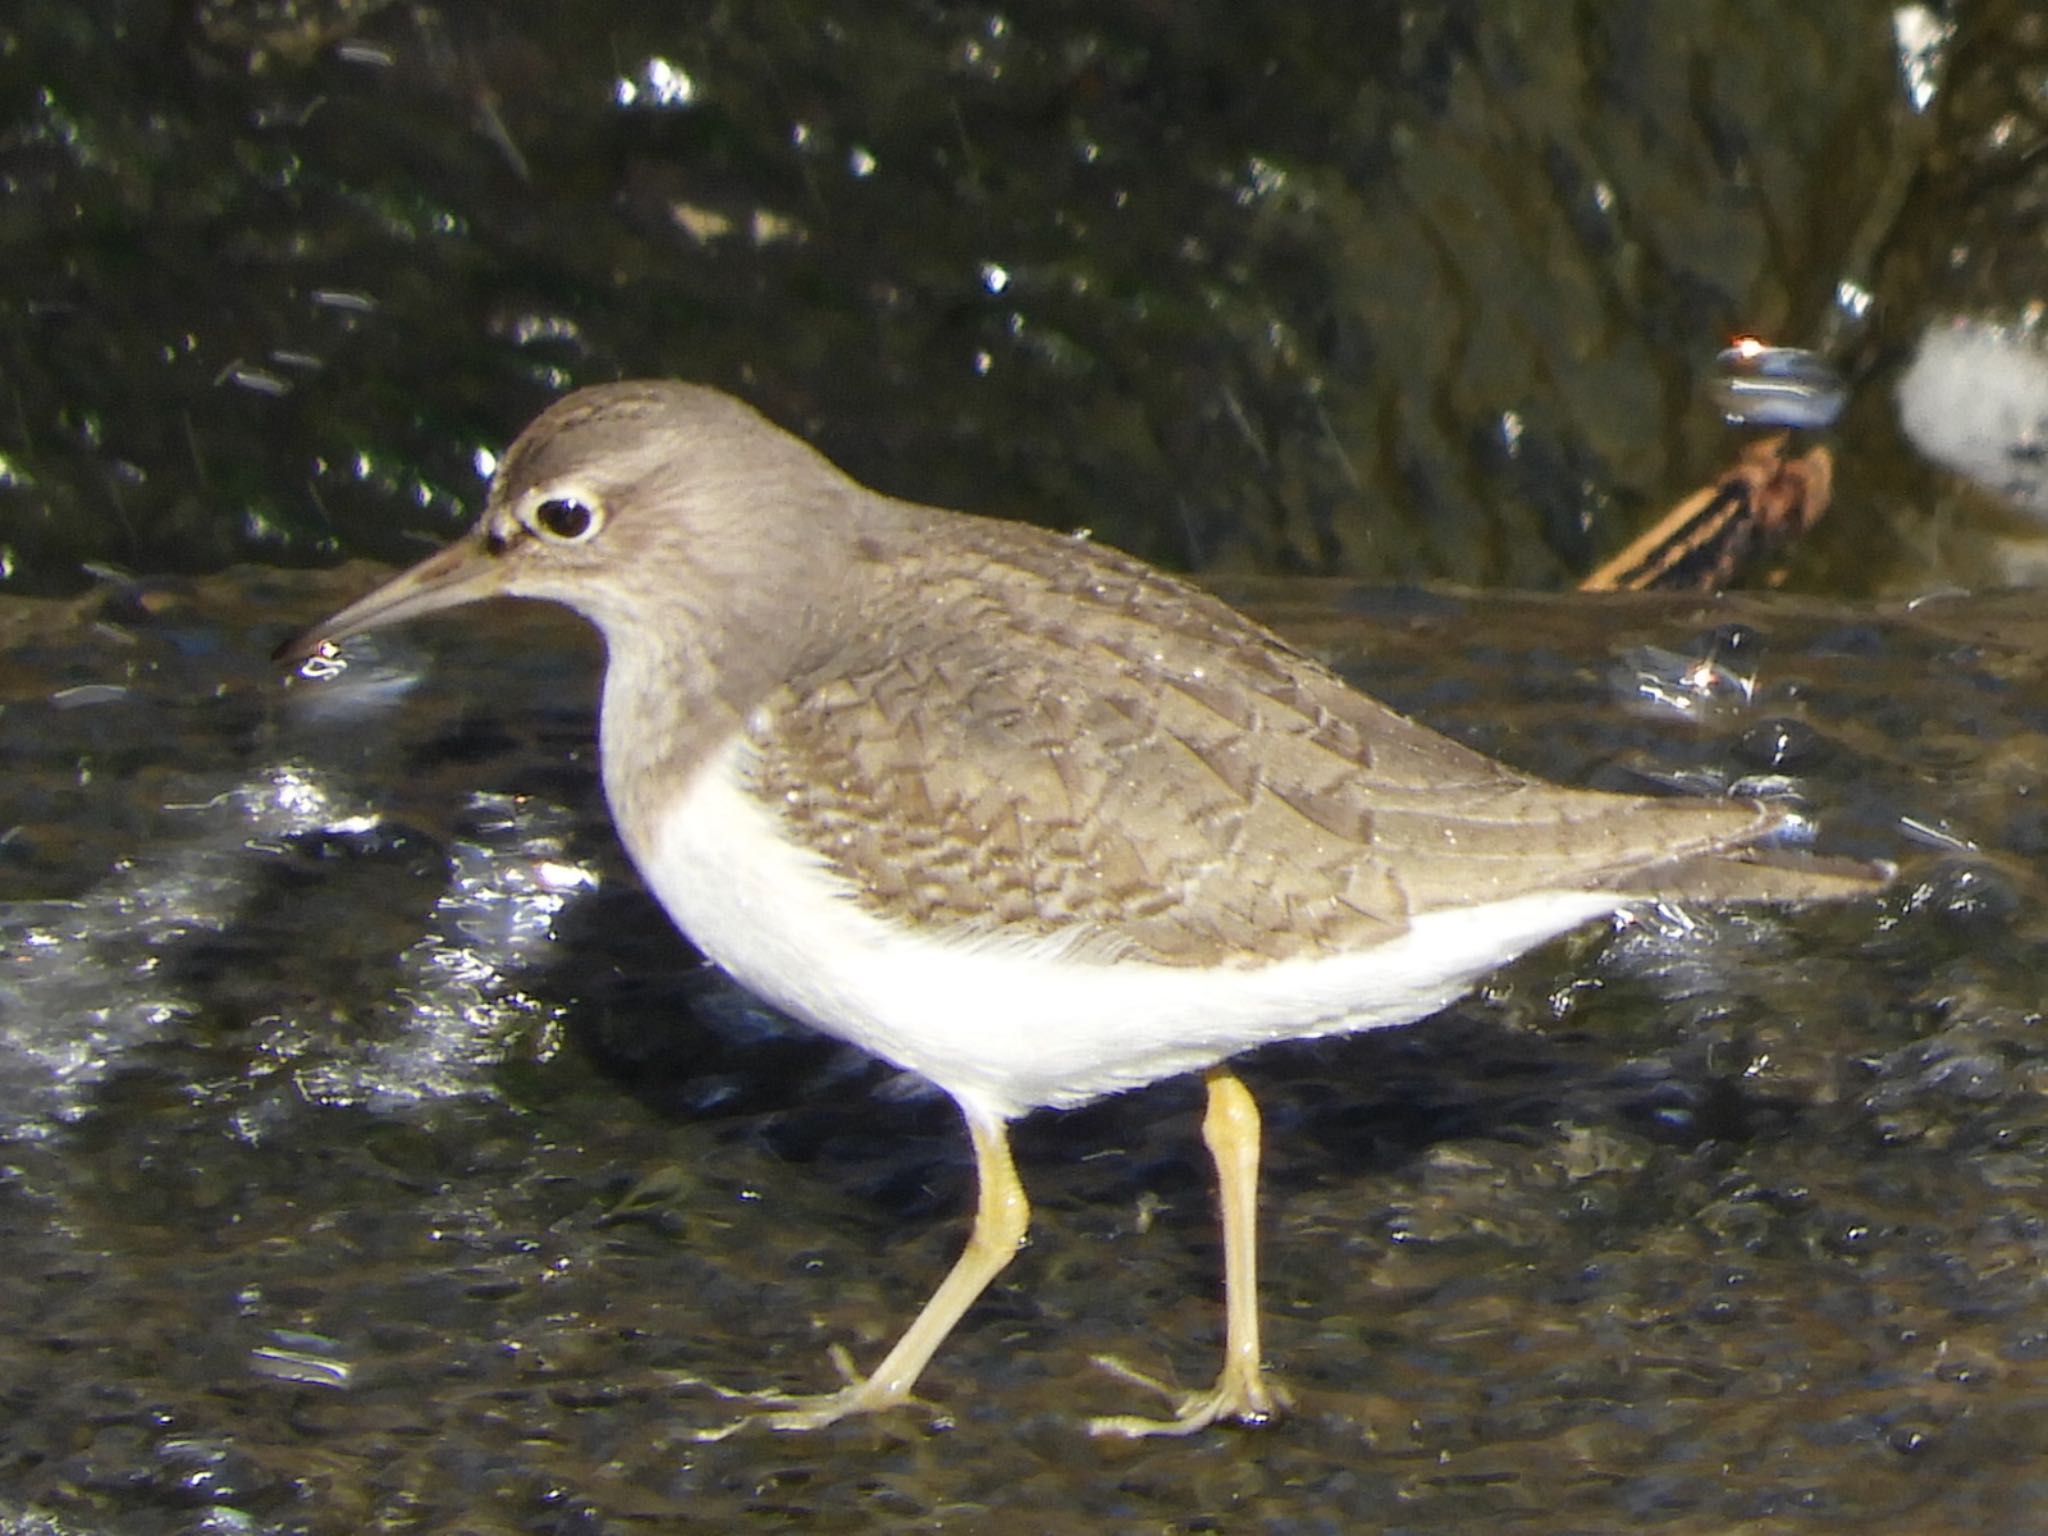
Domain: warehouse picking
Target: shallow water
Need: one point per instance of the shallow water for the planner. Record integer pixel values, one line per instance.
(377, 1158)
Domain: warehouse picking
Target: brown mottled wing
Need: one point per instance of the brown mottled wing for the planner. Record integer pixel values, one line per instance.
(1038, 735)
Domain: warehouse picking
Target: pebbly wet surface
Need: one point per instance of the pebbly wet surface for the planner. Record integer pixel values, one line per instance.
(377, 1158)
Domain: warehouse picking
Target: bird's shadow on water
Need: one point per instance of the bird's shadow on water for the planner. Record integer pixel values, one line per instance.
(662, 1027)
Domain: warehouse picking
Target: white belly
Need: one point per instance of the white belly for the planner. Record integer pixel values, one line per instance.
(1008, 1025)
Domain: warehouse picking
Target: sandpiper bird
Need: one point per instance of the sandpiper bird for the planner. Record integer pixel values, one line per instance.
(1022, 814)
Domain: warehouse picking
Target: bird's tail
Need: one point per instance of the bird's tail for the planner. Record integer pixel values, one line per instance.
(1756, 875)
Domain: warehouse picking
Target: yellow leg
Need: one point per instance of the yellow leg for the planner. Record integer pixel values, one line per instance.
(1241, 1392)
(1002, 1214)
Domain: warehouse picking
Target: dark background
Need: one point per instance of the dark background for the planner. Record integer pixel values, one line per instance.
(1388, 290)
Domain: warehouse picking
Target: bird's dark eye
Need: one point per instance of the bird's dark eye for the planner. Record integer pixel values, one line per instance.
(565, 518)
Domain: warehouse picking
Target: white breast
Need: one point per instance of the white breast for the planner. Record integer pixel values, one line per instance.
(1008, 1025)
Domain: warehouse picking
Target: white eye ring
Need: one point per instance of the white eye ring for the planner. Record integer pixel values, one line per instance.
(570, 517)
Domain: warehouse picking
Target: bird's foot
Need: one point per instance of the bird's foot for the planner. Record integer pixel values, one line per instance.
(788, 1411)
(1242, 1393)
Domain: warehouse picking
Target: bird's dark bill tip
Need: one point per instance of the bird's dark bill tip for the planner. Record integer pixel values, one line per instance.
(305, 646)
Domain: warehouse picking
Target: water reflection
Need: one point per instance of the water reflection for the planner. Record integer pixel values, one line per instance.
(94, 981)
(90, 980)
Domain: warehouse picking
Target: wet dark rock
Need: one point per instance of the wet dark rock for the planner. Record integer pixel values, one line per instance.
(454, 1111)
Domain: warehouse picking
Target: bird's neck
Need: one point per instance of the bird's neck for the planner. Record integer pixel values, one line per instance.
(662, 717)
(684, 670)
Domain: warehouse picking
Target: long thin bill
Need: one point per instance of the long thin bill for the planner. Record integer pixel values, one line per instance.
(461, 573)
